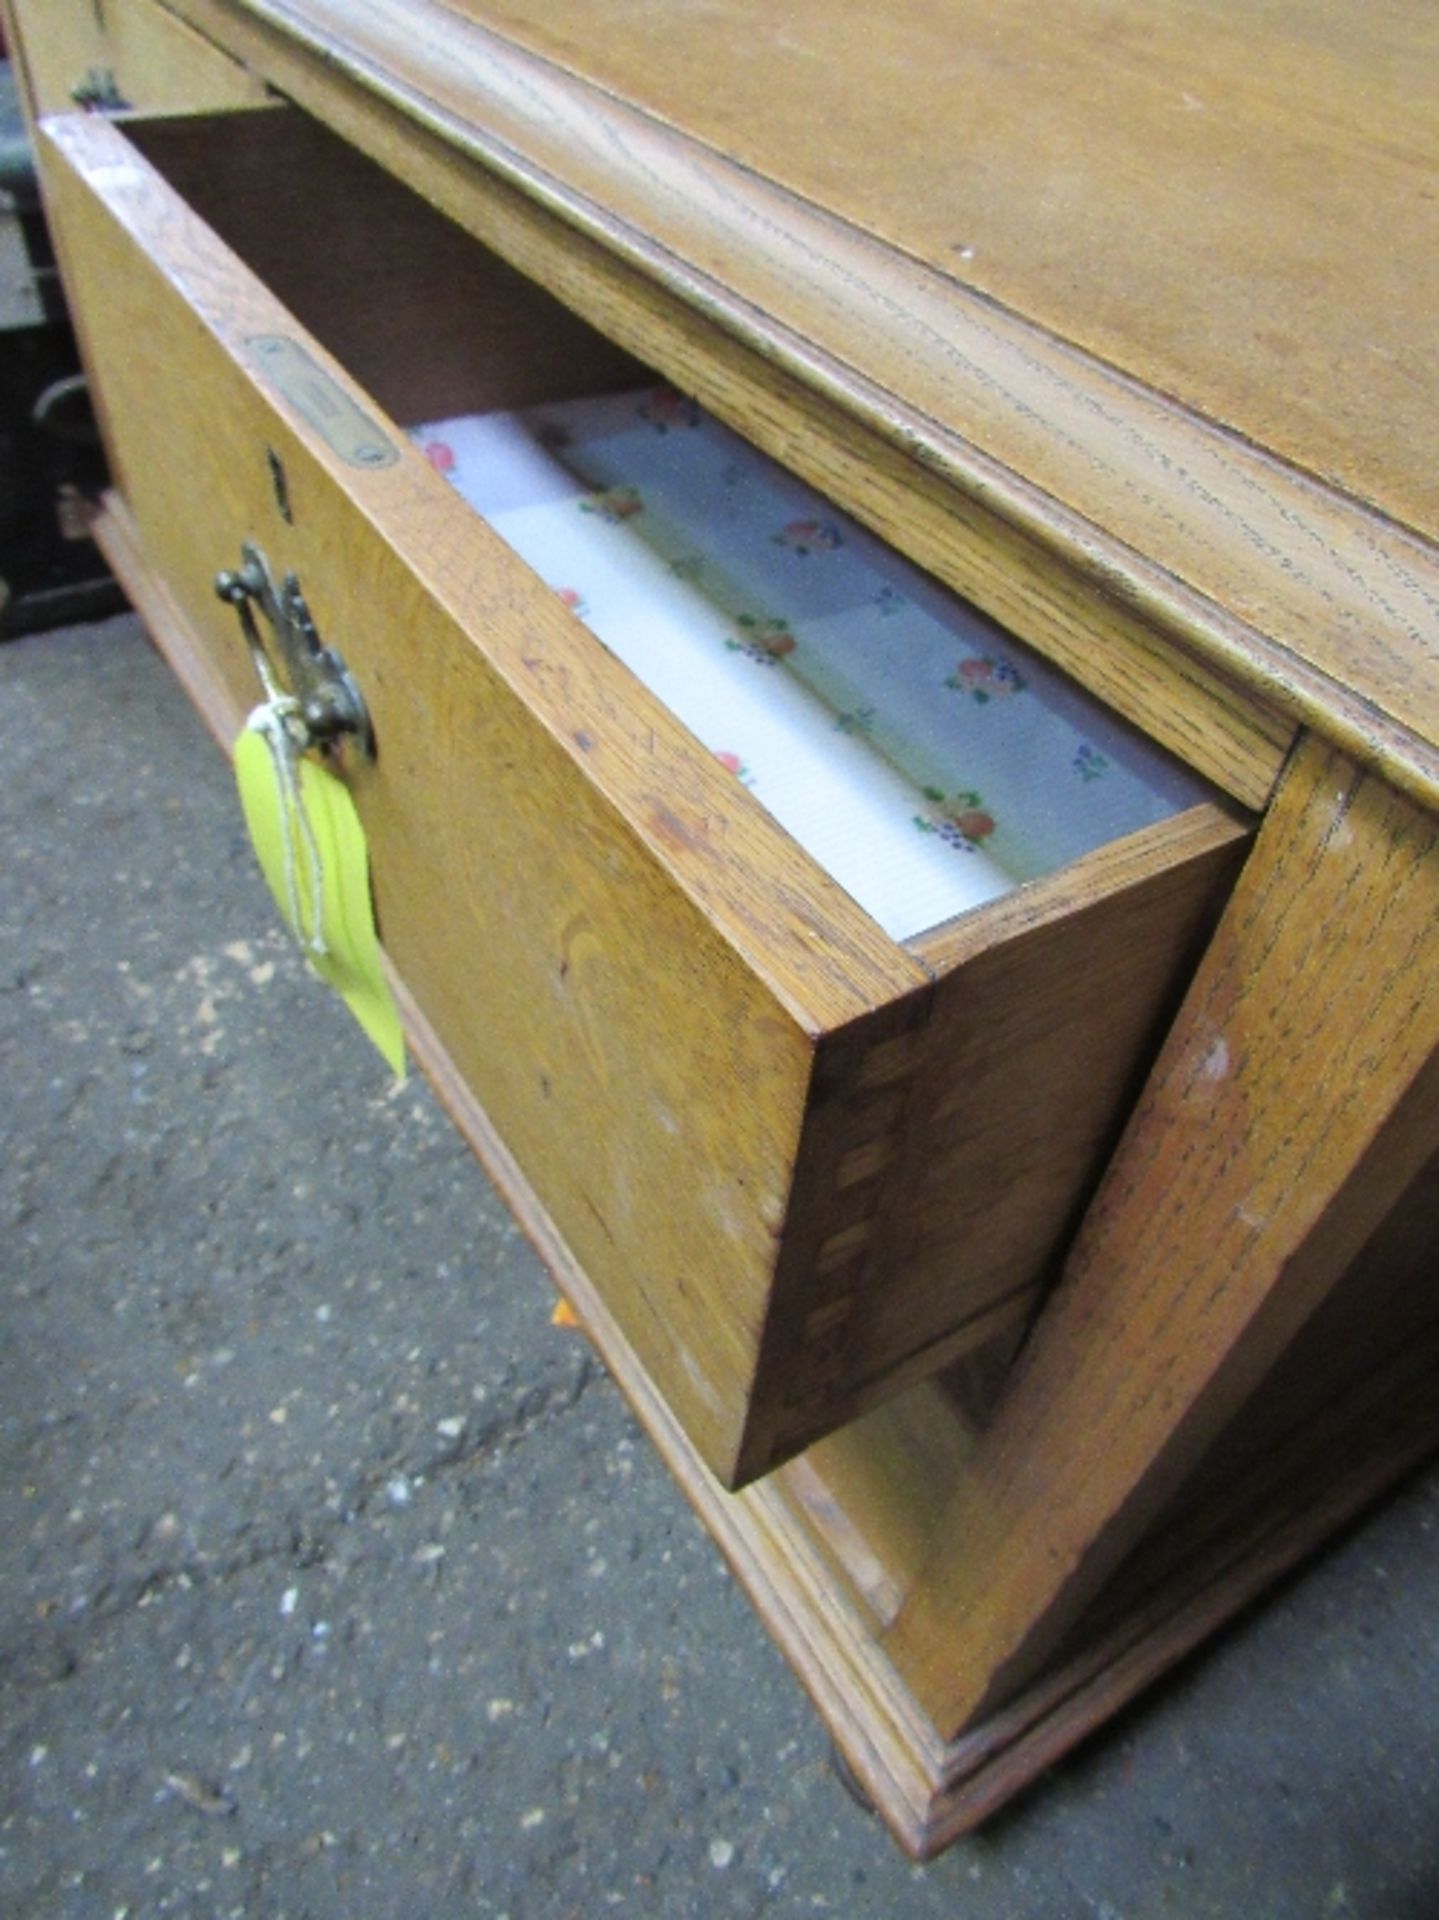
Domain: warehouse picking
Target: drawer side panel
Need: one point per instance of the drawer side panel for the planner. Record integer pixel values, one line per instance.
(970, 1144)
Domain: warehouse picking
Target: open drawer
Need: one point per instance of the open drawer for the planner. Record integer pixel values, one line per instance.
(804, 1160)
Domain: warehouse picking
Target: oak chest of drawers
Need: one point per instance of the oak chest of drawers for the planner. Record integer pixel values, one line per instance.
(1074, 1251)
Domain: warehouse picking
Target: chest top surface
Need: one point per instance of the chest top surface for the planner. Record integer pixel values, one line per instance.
(1155, 283)
(1236, 201)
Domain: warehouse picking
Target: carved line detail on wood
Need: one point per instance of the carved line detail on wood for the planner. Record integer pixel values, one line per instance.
(1320, 604)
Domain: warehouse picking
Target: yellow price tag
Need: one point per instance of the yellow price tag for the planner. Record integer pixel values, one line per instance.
(312, 852)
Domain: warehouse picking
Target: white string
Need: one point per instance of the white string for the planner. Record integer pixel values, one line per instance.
(279, 724)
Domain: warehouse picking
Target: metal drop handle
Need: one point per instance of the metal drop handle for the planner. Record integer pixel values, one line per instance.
(296, 668)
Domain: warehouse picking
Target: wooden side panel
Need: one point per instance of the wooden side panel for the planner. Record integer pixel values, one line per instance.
(829, 1546)
(872, 1492)
(650, 1077)
(1297, 1098)
(855, 1136)
(825, 1546)
(1042, 1036)
(1369, 1357)
(949, 1209)
(135, 49)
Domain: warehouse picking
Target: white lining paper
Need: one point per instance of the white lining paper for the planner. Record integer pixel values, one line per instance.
(924, 758)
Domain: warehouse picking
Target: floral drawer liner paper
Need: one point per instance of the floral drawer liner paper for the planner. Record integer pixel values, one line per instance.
(924, 758)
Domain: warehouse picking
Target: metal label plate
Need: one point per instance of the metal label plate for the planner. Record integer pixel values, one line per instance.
(345, 427)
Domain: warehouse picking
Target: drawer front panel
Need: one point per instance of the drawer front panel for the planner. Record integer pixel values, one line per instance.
(128, 53)
(649, 1081)
(743, 1107)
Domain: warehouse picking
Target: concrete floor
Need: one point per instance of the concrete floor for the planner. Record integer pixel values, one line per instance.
(338, 1582)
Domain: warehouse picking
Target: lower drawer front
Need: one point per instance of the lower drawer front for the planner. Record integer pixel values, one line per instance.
(803, 1163)
(124, 53)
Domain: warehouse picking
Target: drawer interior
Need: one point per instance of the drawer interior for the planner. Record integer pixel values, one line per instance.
(925, 759)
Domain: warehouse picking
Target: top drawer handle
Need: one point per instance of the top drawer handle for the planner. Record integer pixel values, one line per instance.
(329, 704)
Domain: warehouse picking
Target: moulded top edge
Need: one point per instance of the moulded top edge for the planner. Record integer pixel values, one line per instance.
(1320, 602)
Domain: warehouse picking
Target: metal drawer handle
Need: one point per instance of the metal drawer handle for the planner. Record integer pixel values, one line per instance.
(319, 695)
(99, 92)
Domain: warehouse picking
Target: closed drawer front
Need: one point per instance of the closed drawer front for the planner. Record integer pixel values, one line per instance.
(124, 53)
(804, 1161)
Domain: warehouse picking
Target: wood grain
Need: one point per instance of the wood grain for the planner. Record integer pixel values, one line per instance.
(1375, 1335)
(876, 1244)
(826, 1547)
(1076, 616)
(156, 62)
(1209, 198)
(1269, 1219)
(1296, 1098)
(1048, 1008)
(1318, 603)
(824, 958)
(872, 1492)
(801, 1569)
(655, 1088)
(219, 696)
